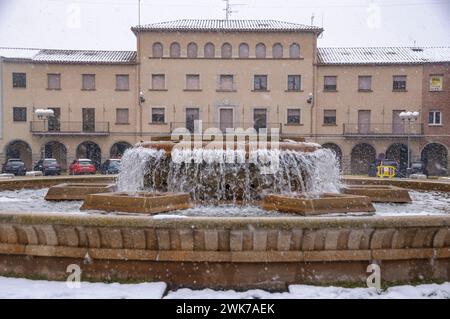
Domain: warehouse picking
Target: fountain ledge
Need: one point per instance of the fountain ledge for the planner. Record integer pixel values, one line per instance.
(226, 252)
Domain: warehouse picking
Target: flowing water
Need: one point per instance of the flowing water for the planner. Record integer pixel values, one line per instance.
(212, 175)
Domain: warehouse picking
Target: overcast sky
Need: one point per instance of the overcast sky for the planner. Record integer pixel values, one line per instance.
(105, 24)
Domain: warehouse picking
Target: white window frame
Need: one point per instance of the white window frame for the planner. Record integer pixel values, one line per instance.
(434, 118)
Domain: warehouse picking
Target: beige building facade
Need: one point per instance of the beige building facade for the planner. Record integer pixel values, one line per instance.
(228, 74)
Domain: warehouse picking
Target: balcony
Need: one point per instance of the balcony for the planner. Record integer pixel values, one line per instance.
(388, 130)
(46, 128)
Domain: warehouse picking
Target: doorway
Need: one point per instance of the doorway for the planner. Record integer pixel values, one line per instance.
(192, 115)
(88, 120)
(226, 119)
(363, 122)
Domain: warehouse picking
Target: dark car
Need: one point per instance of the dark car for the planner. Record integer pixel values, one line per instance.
(417, 168)
(48, 166)
(111, 166)
(14, 166)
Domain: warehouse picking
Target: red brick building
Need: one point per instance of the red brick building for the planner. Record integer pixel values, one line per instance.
(436, 114)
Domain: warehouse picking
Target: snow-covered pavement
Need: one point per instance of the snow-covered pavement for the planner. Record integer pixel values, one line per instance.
(30, 289)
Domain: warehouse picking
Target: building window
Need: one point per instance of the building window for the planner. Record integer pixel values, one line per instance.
(329, 117)
(88, 81)
(192, 50)
(175, 50)
(436, 83)
(158, 81)
(365, 83)
(260, 51)
(122, 82)
(226, 82)
(294, 83)
(277, 51)
(19, 114)
(399, 83)
(210, 50)
(19, 80)
(294, 51)
(158, 115)
(227, 51)
(330, 83)
(54, 81)
(157, 50)
(293, 116)
(192, 82)
(244, 51)
(260, 83)
(259, 119)
(435, 118)
(122, 116)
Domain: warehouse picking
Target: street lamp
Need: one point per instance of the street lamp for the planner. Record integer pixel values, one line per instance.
(410, 117)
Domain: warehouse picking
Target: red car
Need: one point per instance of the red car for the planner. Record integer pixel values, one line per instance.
(82, 166)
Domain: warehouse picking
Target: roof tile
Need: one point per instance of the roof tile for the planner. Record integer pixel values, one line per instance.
(187, 25)
(383, 55)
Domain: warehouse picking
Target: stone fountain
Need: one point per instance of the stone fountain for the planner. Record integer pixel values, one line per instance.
(288, 172)
(228, 252)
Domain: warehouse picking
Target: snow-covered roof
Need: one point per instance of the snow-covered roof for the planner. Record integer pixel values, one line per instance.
(18, 53)
(383, 55)
(69, 56)
(187, 25)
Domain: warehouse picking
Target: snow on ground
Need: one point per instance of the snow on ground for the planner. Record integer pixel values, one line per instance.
(315, 292)
(12, 288)
(35, 289)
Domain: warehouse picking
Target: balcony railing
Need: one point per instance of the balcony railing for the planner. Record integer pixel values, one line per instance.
(222, 127)
(383, 129)
(44, 127)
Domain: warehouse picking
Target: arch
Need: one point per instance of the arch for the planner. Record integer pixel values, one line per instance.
(244, 50)
(90, 150)
(175, 50)
(19, 149)
(260, 51)
(56, 150)
(277, 51)
(210, 50)
(157, 50)
(362, 156)
(336, 150)
(294, 51)
(227, 51)
(117, 149)
(192, 50)
(398, 152)
(435, 158)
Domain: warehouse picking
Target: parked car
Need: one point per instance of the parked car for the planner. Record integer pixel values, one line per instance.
(48, 166)
(82, 166)
(417, 168)
(14, 166)
(111, 166)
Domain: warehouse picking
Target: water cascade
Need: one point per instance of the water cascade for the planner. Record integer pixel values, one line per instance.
(215, 175)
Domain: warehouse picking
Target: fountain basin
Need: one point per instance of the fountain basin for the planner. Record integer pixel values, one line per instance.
(141, 202)
(379, 193)
(327, 203)
(226, 253)
(78, 191)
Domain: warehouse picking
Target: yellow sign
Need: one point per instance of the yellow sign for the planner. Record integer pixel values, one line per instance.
(436, 83)
(386, 171)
